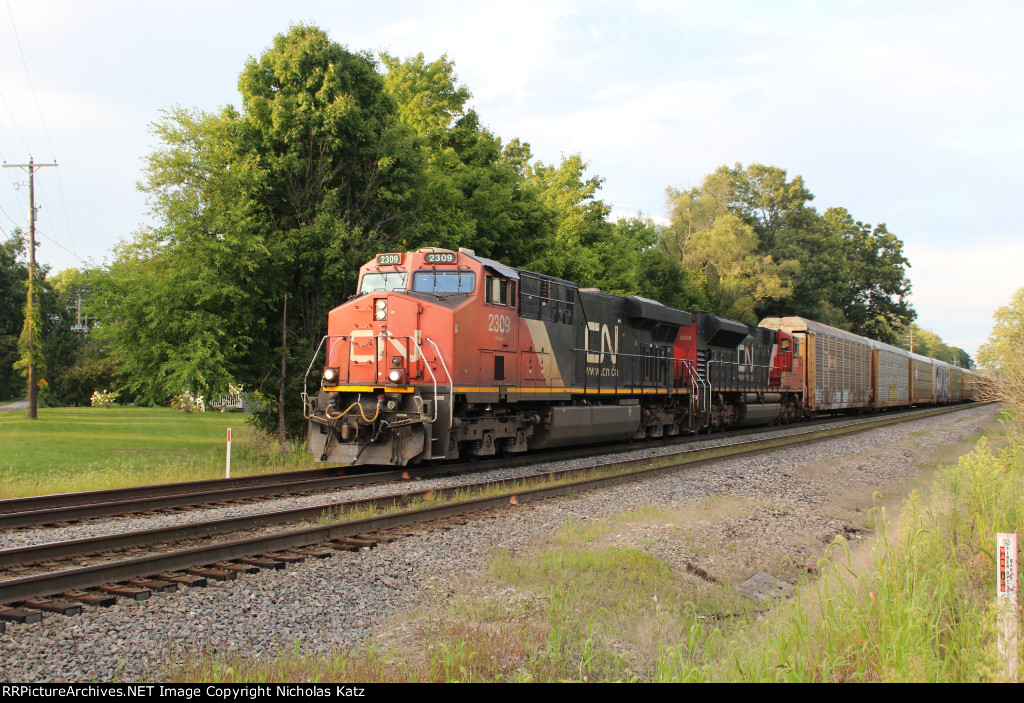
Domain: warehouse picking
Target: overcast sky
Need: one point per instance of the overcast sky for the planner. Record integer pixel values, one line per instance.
(907, 113)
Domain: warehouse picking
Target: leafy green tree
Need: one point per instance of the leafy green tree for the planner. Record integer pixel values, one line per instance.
(13, 275)
(828, 267)
(707, 237)
(580, 218)
(1004, 349)
(763, 198)
(471, 194)
(283, 199)
(875, 302)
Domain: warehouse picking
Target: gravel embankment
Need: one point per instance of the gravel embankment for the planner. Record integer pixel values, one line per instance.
(325, 604)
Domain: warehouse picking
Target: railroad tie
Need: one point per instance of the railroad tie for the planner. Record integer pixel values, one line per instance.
(154, 585)
(357, 542)
(237, 568)
(215, 574)
(192, 581)
(61, 607)
(129, 592)
(102, 601)
(262, 563)
(21, 615)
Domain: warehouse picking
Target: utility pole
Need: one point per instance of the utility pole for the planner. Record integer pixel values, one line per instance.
(33, 388)
(911, 335)
(281, 436)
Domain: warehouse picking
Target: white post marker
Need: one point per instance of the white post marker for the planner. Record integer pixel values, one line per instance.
(227, 470)
(1006, 590)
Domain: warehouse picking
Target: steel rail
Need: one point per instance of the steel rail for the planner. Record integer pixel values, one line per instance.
(63, 507)
(22, 588)
(56, 500)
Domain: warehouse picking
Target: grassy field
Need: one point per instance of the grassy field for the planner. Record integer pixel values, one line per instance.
(81, 449)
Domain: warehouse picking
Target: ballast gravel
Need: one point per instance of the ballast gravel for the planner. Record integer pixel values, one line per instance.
(327, 604)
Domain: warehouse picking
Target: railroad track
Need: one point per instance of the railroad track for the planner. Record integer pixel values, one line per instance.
(64, 508)
(57, 577)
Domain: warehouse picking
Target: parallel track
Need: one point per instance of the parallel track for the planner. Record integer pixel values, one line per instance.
(38, 571)
(70, 507)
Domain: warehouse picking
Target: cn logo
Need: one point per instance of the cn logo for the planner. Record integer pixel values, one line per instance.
(609, 344)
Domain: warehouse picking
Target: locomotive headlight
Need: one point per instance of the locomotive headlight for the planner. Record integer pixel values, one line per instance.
(380, 309)
(395, 375)
(330, 375)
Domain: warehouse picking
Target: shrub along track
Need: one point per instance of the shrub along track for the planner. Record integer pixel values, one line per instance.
(135, 564)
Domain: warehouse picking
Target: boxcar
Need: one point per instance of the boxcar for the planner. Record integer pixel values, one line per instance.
(956, 384)
(892, 376)
(838, 363)
(922, 379)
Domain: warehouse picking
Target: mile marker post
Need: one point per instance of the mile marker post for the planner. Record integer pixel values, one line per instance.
(1006, 590)
(227, 470)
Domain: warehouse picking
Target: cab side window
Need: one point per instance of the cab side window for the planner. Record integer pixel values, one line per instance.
(498, 291)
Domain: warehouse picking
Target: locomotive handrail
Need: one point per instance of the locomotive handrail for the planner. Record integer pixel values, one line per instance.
(703, 386)
(732, 363)
(451, 383)
(432, 376)
(305, 379)
(336, 342)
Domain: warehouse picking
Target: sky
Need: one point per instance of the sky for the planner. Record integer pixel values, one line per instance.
(906, 113)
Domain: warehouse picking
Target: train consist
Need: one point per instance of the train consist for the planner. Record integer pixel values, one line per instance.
(444, 354)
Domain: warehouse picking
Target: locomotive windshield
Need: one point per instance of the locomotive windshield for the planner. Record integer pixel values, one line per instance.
(391, 280)
(444, 281)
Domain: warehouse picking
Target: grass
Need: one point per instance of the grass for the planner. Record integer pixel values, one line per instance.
(581, 607)
(924, 612)
(83, 449)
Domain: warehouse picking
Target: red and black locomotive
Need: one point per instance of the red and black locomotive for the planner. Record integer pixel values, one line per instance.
(444, 353)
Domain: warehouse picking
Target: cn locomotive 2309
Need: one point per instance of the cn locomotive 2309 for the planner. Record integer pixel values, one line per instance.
(444, 353)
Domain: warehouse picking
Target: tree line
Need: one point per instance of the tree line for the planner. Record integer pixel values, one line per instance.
(265, 212)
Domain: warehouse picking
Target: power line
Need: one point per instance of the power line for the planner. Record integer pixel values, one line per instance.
(46, 132)
(30, 84)
(64, 207)
(15, 123)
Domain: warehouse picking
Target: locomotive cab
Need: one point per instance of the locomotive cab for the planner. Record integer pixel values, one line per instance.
(387, 375)
(424, 329)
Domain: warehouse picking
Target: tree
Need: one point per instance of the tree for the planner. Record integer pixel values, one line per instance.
(927, 343)
(827, 267)
(473, 192)
(763, 198)
(1002, 350)
(13, 274)
(707, 237)
(284, 198)
(875, 302)
(580, 220)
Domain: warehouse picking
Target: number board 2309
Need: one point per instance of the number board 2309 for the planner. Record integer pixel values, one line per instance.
(439, 258)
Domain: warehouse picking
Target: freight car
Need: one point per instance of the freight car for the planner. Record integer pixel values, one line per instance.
(444, 354)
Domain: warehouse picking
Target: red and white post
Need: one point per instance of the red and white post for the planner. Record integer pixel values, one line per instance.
(227, 469)
(1006, 590)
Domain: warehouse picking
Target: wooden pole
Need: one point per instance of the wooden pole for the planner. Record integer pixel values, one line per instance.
(284, 362)
(33, 384)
